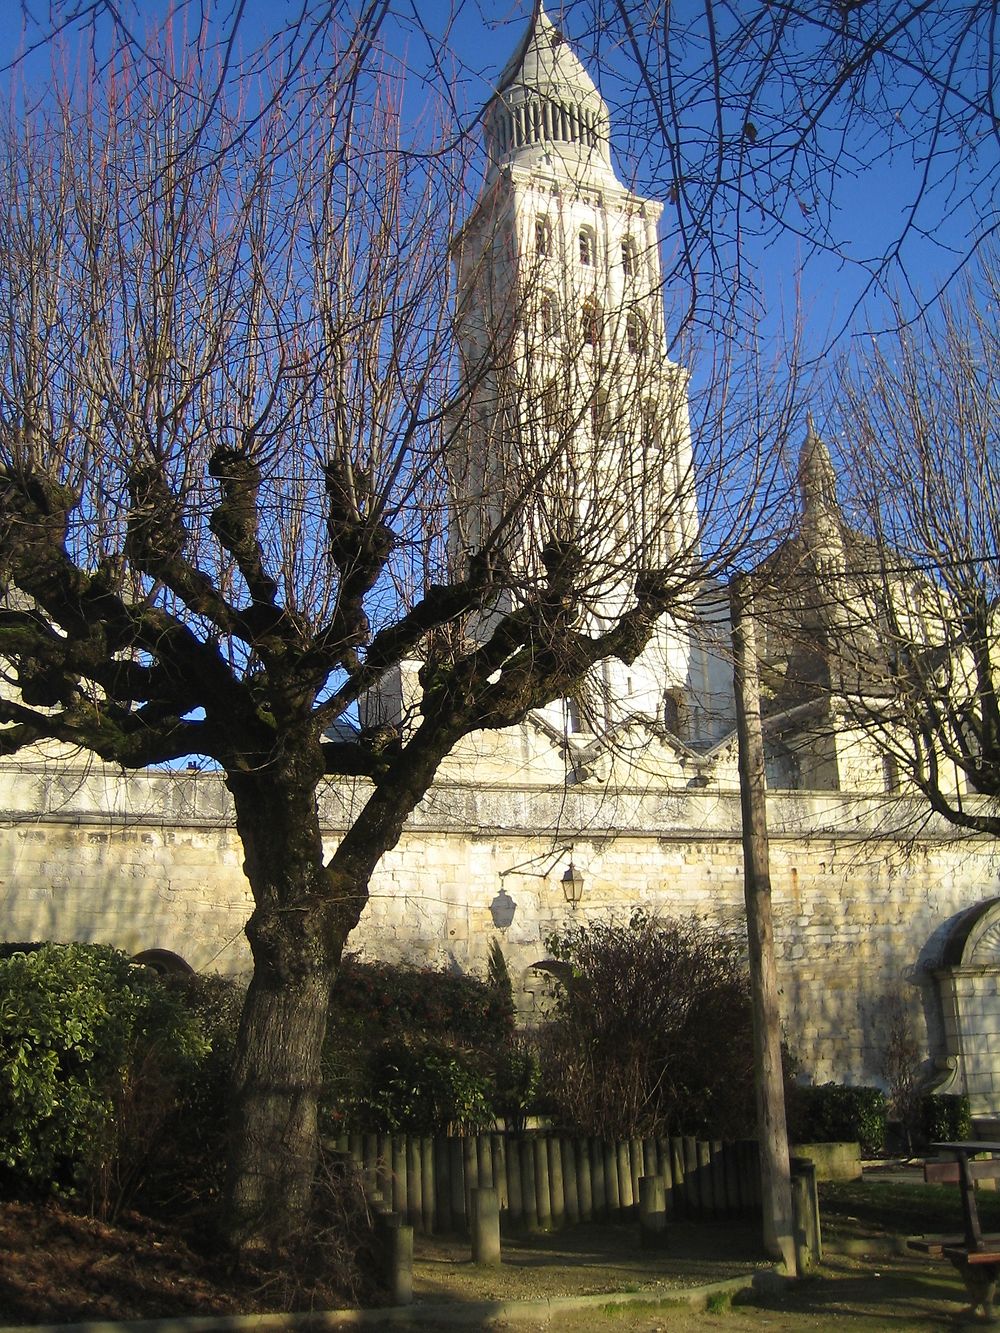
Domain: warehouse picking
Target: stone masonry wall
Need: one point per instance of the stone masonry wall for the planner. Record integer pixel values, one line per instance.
(151, 861)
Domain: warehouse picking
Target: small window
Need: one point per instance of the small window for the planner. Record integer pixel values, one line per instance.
(599, 422)
(550, 410)
(547, 315)
(635, 334)
(673, 713)
(586, 242)
(628, 257)
(543, 238)
(591, 324)
(651, 433)
(890, 772)
(574, 722)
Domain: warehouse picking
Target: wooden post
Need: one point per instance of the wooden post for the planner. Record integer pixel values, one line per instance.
(456, 1174)
(442, 1184)
(598, 1184)
(399, 1176)
(774, 1167)
(652, 1213)
(529, 1189)
(557, 1191)
(543, 1190)
(586, 1181)
(485, 1209)
(571, 1179)
(414, 1183)
(515, 1207)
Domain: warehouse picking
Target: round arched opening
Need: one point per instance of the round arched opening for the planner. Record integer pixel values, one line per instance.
(163, 962)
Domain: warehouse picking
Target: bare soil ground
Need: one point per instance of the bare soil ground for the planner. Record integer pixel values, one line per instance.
(869, 1292)
(588, 1260)
(59, 1267)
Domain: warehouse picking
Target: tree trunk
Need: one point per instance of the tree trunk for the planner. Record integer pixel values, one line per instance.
(297, 934)
(304, 911)
(273, 1126)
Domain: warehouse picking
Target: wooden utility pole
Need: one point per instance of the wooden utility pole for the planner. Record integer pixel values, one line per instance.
(768, 1081)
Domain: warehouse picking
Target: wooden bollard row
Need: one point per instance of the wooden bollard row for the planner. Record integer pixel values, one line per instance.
(545, 1181)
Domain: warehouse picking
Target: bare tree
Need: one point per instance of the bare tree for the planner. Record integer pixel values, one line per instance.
(227, 379)
(768, 120)
(918, 422)
(754, 121)
(890, 590)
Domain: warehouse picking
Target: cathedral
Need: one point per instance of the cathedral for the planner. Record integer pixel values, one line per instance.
(625, 796)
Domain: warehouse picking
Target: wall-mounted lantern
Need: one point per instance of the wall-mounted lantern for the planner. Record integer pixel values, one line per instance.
(572, 881)
(572, 884)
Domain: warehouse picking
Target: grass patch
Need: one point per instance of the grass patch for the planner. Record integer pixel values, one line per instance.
(617, 1309)
(720, 1302)
(900, 1209)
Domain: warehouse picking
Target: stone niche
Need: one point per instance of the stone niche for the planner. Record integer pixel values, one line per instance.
(968, 984)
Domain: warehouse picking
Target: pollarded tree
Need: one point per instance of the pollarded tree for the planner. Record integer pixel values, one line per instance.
(228, 369)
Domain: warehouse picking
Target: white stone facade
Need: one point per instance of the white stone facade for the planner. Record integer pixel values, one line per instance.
(577, 425)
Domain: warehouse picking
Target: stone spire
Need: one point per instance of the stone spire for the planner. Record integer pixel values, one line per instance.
(822, 528)
(816, 475)
(547, 105)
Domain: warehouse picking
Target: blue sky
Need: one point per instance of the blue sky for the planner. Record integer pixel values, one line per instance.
(463, 44)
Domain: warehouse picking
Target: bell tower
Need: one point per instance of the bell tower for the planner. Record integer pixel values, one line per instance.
(573, 423)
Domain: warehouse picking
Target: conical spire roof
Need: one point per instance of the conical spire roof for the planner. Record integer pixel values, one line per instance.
(547, 106)
(546, 63)
(817, 475)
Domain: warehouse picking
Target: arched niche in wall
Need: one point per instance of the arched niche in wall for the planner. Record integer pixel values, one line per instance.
(967, 976)
(163, 962)
(538, 986)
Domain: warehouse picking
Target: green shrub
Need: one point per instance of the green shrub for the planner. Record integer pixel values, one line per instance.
(458, 1018)
(945, 1118)
(92, 1049)
(424, 1085)
(382, 998)
(186, 1173)
(832, 1113)
(517, 1077)
(498, 981)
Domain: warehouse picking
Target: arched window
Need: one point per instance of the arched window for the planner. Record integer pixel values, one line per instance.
(635, 333)
(600, 416)
(543, 238)
(549, 404)
(590, 324)
(628, 257)
(652, 435)
(587, 247)
(547, 315)
(163, 962)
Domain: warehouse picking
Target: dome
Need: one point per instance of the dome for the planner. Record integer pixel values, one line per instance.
(547, 102)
